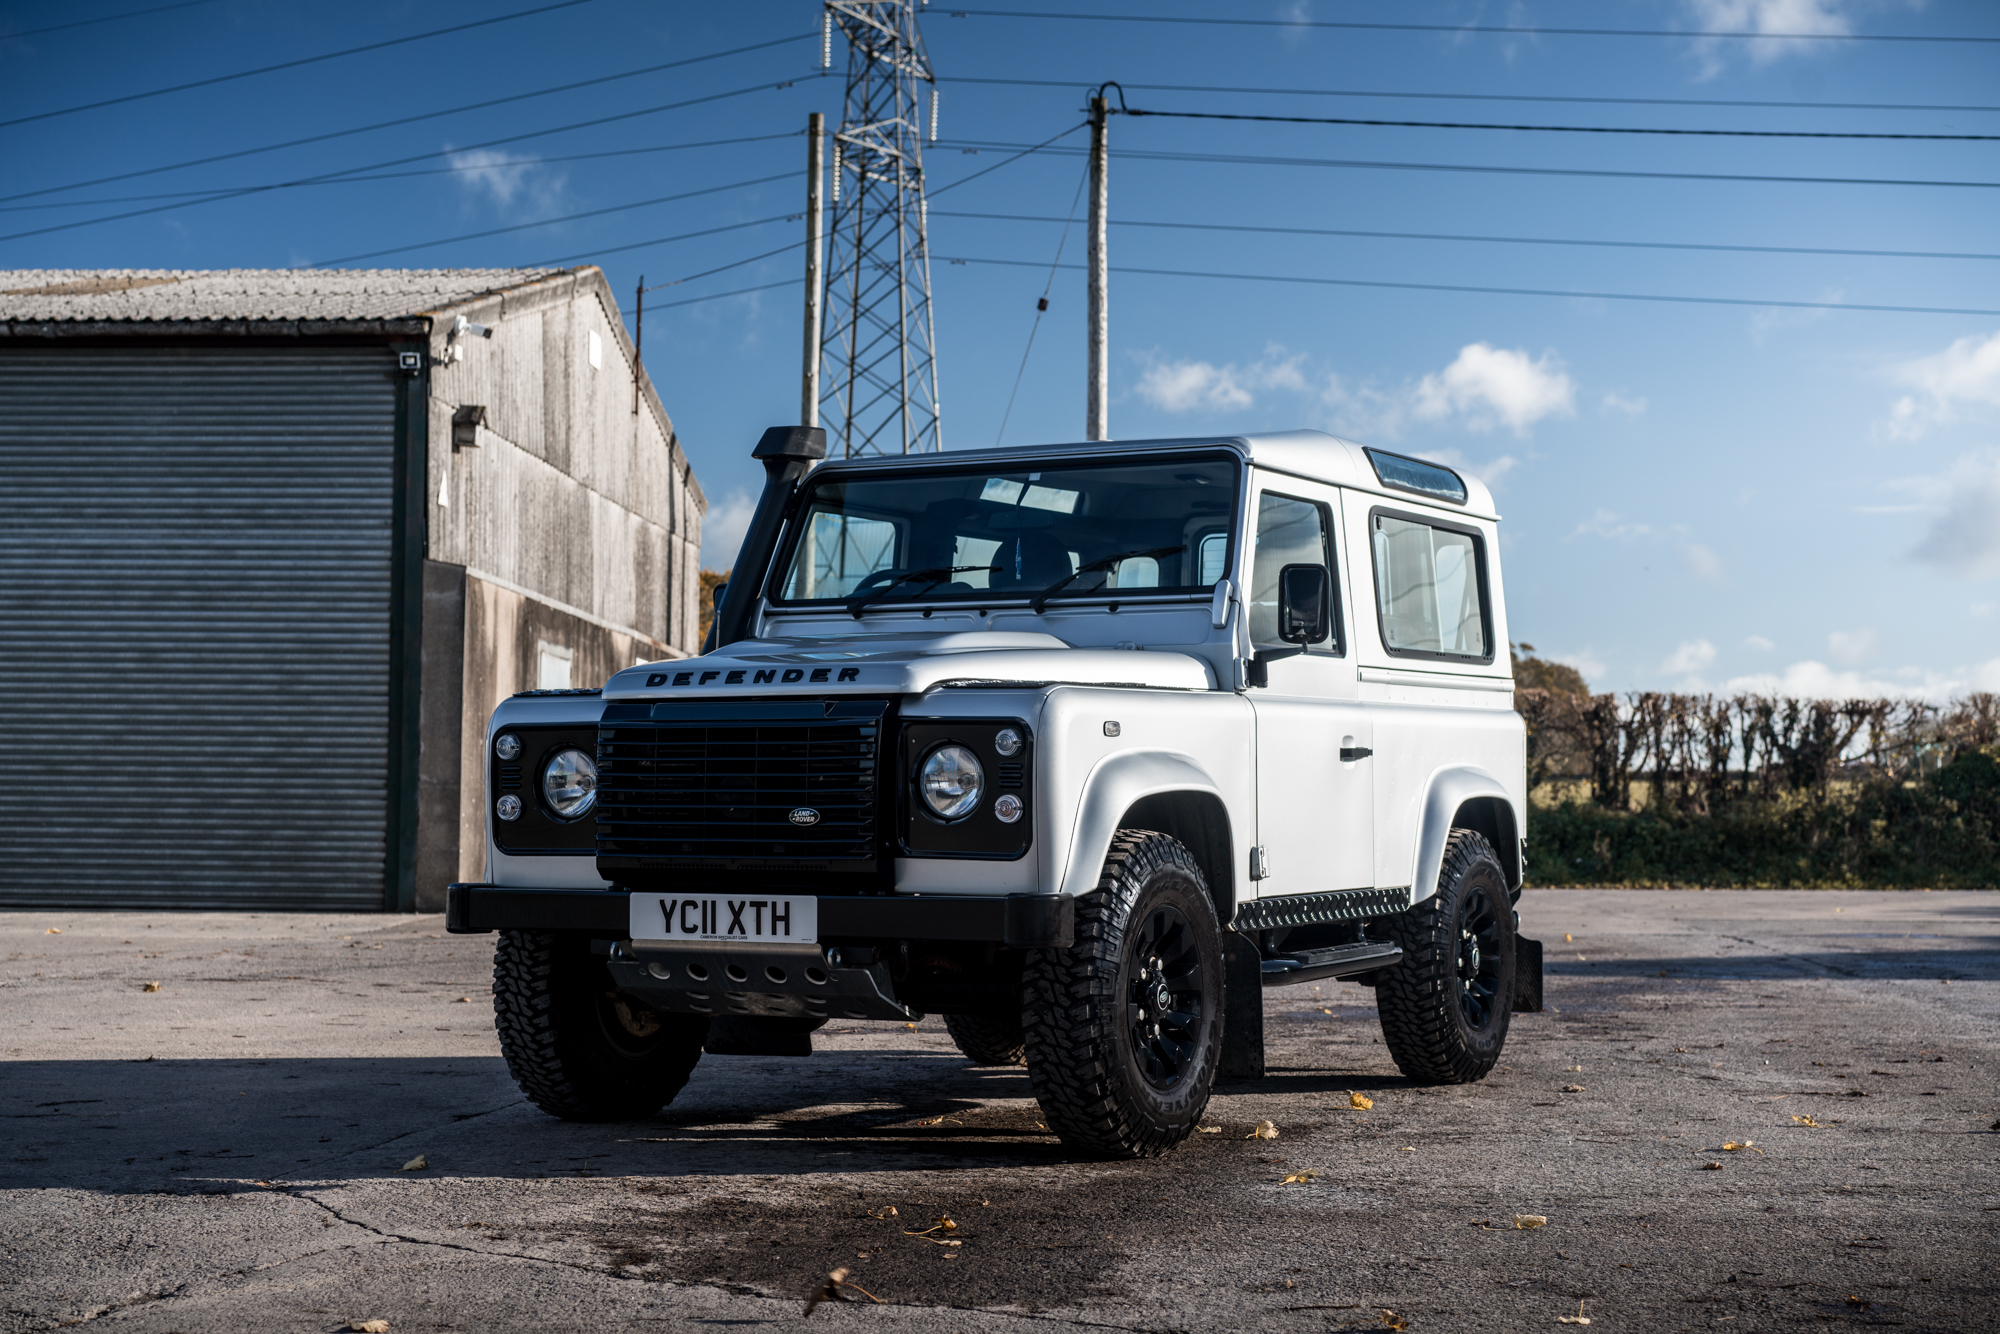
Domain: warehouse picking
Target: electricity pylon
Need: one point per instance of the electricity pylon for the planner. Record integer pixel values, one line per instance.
(878, 357)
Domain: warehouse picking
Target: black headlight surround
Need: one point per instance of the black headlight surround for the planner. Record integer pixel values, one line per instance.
(540, 831)
(979, 833)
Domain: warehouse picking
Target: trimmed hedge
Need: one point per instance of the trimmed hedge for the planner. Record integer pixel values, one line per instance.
(1940, 831)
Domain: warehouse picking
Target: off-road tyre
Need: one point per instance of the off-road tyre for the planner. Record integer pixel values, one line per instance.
(994, 1037)
(577, 1047)
(1445, 1007)
(1105, 1085)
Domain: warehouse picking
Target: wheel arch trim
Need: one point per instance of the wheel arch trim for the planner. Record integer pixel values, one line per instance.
(1470, 797)
(1170, 783)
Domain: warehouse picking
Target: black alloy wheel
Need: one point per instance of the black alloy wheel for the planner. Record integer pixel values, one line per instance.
(1445, 1007)
(1163, 991)
(1124, 1028)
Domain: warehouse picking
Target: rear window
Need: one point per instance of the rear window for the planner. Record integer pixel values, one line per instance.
(1430, 588)
(1417, 477)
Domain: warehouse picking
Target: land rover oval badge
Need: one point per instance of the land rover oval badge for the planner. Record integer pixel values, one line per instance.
(805, 815)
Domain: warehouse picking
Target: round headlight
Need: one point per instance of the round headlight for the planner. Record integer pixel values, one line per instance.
(951, 781)
(508, 807)
(1008, 742)
(569, 783)
(507, 746)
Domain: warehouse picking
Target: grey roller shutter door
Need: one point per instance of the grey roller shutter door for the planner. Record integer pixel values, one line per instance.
(194, 626)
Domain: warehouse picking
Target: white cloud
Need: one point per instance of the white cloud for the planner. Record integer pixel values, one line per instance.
(1605, 523)
(723, 528)
(1189, 386)
(1758, 642)
(1853, 646)
(1964, 374)
(1964, 538)
(1818, 17)
(1585, 661)
(1617, 402)
(1816, 680)
(506, 178)
(1486, 382)
(1704, 562)
(1691, 656)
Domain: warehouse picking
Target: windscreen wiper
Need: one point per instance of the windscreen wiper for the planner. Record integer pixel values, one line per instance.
(1041, 599)
(936, 575)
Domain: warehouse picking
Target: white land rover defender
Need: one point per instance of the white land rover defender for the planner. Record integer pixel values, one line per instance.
(1081, 747)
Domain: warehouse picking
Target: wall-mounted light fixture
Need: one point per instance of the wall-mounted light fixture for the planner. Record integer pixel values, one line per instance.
(465, 424)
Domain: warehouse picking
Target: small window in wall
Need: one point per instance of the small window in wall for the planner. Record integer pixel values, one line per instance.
(552, 665)
(1430, 589)
(1289, 532)
(596, 350)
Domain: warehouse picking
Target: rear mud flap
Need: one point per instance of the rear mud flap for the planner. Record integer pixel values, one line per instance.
(1527, 975)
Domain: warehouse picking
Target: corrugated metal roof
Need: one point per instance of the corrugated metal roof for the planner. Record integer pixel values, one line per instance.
(97, 295)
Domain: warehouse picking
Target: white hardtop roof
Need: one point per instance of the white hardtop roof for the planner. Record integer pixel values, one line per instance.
(1311, 454)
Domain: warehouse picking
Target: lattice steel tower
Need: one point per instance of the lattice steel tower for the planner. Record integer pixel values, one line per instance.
(878, 359)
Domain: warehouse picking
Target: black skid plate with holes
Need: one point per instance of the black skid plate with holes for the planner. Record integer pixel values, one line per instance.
(748, 983)
(1346, 905)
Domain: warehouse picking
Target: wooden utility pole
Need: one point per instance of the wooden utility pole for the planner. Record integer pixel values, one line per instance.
(1097, 409)
(809, 390)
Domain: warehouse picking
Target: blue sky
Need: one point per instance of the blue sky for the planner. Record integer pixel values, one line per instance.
(1696, 496)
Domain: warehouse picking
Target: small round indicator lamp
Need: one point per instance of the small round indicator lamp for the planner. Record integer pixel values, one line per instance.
(508, 807)
(1007, 742)
(507, 746)
(1007, 809)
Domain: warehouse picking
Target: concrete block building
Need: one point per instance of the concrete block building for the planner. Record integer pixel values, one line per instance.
(274, 542)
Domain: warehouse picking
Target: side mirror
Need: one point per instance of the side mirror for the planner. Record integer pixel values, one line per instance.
(1305, 604)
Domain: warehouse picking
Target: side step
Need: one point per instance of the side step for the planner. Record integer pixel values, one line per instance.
(1335, 961)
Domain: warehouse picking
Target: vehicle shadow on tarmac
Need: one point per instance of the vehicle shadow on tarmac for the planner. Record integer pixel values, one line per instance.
(1977, 958)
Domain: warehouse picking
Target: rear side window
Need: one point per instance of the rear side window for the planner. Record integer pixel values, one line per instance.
(1430, 588)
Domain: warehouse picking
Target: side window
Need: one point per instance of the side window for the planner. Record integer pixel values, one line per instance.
(1289, 532)
(1430, 589)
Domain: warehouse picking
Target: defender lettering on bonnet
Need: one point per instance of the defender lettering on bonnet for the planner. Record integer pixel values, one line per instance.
(760, 677)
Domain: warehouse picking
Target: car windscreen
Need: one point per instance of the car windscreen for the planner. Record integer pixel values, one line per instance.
(1158, 526)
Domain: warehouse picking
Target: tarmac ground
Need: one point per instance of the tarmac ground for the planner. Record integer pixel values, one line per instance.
(228, 1151)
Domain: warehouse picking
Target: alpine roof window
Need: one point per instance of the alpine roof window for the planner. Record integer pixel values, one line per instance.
(1417, 477)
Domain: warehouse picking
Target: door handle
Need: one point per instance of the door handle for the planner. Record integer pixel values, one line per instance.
(1349, 754)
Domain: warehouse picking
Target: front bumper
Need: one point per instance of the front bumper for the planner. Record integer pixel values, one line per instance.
(1020, 921)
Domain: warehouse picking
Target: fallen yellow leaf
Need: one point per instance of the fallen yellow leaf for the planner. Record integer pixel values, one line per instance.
(1209, 1130)
(1711, 1167)
(1262, 1130)
(888, 1211)
(53, 931)
(369, 1326)
(1356, 1101)
(416, 1164)
(1567, 938)
(1734, 1146)
(1529, 1222)
(1807, 1120)
(1578, 1319)
(1300, 1178)
(463, 1000)
(151, 986)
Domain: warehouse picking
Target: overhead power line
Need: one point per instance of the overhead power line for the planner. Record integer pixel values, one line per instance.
(1244, 159)
(1489, 291)
(394, 162)
(1548, 129)
(1487, 97)
(1457, 29)
(107, 18)
(595, 251)
(512, 164)
(407, 120)
(1499, 240)
(568, 217)
(294, 64)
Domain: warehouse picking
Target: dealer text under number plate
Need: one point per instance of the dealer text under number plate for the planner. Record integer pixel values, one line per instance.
(726, 919)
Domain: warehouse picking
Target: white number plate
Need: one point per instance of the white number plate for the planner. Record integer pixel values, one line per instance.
(726, 919)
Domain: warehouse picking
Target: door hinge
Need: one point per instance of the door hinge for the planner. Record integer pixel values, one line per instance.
(1260, 863)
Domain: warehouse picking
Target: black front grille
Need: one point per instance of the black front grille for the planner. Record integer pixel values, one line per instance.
(717, 784)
